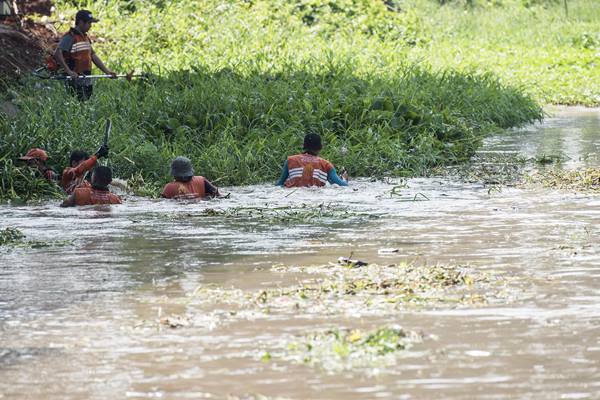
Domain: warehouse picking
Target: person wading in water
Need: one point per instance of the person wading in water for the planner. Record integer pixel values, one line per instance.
(97, 193)
(80, 163)
(186, 185)
(308, 169)
(75, 56)
(36, 158)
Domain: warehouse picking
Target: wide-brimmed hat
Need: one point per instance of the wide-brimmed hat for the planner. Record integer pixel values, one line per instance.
(35, 153)
(181, 167)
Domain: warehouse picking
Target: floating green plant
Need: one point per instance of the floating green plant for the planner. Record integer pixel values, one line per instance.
(344, 349)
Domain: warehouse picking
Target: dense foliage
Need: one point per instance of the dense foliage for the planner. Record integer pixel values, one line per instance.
(236, 85)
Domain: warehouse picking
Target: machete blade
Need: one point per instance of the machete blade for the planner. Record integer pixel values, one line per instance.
(107, 131)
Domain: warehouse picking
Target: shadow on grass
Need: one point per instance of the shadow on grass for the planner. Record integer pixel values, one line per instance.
(238, 128)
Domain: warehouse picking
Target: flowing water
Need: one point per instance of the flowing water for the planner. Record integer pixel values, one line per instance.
(83, 307)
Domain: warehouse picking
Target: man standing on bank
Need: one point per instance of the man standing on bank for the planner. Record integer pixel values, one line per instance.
(75, 56)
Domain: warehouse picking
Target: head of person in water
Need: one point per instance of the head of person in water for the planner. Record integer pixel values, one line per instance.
(77, 157)
(101, 177)
(181, 169)
(312, 144)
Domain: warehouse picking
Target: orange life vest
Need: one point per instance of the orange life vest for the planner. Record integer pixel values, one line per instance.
(193, 189)
(72, 178)
(307, 170)
(86, 196)
(79, 59)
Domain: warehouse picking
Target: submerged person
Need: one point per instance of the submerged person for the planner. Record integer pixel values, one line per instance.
(97, 193)
(308, 169)
(79, 164)
(186, 185)
(36, 158)
(75, 56)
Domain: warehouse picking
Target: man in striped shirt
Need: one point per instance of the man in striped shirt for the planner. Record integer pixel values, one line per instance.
(75, 56)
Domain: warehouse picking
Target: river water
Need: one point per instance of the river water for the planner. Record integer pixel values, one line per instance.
(83, 307)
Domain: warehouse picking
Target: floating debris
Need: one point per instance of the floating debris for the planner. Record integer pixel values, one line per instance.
(369, 290)
(386, 251)
(176, 321)
(582, 180)
(11, 235)
(490, 168)
(14, 237)
(348, 262)
(297, 214)
(343, 350)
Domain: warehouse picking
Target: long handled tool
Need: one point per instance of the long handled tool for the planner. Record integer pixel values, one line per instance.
(126, 76)
(40, 74)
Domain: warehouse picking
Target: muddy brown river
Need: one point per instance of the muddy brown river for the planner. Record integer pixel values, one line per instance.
(237, 298)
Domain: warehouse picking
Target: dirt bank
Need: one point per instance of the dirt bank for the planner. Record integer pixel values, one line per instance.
(24, 43)
(24, 49)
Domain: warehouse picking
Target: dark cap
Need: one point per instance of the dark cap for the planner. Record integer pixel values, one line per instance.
(85, 16)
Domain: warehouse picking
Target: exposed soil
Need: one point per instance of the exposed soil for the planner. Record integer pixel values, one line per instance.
(23, 48)
(43, 7)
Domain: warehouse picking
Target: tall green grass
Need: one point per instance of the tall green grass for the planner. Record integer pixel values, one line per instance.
(236, 86)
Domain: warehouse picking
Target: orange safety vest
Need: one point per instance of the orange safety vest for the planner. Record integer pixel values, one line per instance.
(72, 178)
(307, 170)
(79, 59)
(193, 189)
(86, 196)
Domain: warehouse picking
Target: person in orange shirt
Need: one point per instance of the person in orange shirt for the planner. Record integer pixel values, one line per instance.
(308, 169)
(74, 175)
(97, 193)
(36, 158)
(186, 185)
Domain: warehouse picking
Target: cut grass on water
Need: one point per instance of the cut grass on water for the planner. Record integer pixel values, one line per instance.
(584, 180)
(350, 350)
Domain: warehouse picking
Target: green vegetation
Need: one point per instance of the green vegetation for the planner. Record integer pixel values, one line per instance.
(14, 237)
(10, 235)
(395, 88)
(339, 350)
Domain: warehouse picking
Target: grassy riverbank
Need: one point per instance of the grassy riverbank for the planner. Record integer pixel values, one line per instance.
(394, 89)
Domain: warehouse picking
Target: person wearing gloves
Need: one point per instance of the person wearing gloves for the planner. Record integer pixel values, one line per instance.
(96, 193)
(79, 164)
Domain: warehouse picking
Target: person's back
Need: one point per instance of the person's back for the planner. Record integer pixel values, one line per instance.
(97, 193)
(86, 196)
(192, 189)
(308, 169)
(186, 185)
